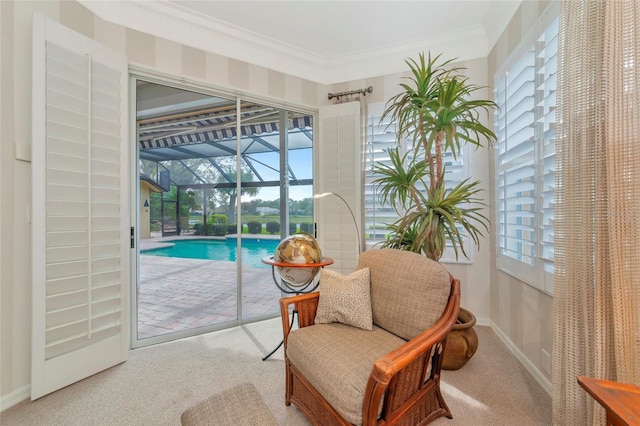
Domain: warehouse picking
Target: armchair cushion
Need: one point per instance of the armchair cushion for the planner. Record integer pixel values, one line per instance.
(336, 359)
(402, 285)
(345, 299)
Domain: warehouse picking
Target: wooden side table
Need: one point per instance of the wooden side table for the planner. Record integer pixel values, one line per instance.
(621, 401)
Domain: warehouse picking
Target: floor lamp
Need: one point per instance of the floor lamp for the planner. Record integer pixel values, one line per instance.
(355, 223)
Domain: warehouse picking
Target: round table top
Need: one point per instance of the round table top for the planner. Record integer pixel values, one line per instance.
(324, 262)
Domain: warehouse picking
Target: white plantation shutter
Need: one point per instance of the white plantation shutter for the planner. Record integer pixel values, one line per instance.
(516, 166)
(80, 208)
(525, 126)
(546, 104)
(381, 138)
(340, 171)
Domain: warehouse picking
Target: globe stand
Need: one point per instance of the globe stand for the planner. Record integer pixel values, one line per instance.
(289, 288)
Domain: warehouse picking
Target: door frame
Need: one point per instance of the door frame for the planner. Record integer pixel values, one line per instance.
(140, 72)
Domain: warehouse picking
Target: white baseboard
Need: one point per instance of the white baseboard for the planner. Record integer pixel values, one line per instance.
(484, 322)
(526, 363)
(15, 397)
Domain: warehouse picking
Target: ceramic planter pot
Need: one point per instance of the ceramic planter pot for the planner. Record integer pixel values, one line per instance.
(462, 342)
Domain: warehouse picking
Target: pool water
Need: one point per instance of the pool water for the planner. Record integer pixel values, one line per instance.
(253, 250)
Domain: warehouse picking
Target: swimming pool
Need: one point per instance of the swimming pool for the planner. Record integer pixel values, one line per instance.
(253, 250)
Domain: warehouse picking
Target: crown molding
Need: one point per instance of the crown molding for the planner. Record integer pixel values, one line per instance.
(174, 22)
(463, 44)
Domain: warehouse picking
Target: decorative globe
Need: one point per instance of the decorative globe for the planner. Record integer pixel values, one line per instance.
(297, 249)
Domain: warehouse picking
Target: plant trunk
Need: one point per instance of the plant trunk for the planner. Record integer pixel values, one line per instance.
(427, 151)
(438, 154)
(231, 209)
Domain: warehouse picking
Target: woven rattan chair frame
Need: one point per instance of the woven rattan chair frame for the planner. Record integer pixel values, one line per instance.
(407, 379)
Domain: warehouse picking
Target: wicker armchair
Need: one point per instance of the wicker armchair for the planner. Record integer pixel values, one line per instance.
(339, 375)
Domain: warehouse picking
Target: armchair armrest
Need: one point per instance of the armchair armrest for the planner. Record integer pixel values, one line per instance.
(305, 305)
(418, 357)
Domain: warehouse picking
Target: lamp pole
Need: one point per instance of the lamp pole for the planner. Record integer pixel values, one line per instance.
(355, 223)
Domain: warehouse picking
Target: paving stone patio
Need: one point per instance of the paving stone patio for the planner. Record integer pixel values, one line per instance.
(177, 294)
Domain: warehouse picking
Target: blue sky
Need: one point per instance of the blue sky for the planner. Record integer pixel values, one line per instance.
(301, 163)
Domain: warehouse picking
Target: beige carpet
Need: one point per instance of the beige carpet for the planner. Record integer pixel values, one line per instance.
(158, 383)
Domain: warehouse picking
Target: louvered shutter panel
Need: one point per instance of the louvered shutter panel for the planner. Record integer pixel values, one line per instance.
(80, 208)
(516, 166)
(340, 172)
(546, 121)
(525, 124)
(381, 138)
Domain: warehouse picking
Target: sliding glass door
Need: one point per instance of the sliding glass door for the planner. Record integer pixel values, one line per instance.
(277, 194)
(221, 181)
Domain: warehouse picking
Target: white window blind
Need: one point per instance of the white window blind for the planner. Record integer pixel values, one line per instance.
(381, 138)
(546, 126)
(525, 126)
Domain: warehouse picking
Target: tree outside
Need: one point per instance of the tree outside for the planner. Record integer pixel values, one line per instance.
(189, 174)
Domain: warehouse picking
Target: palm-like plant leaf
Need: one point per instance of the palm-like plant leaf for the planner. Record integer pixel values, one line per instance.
(427, 230)
(399, 181)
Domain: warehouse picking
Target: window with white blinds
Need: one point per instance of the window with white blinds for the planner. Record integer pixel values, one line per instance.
(381, 138)
(525, 125)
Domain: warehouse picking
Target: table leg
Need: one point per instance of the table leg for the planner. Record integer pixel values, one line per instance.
(293, 316)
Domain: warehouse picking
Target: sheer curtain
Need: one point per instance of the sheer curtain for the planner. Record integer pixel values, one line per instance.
(597, 221)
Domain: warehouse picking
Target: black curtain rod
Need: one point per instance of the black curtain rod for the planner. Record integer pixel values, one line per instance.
(352, 92)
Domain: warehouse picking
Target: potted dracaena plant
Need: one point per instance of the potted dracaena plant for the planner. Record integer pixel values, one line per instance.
(435, 113)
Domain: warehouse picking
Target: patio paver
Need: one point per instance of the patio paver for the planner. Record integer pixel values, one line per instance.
(178, 294)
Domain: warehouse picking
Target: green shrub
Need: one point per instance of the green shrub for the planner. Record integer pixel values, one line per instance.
(218, 219)
(201, 230)
(255, 227)
(306, 227)
(273, 227)
(219, 230)
(293, 228)
(231, 229)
